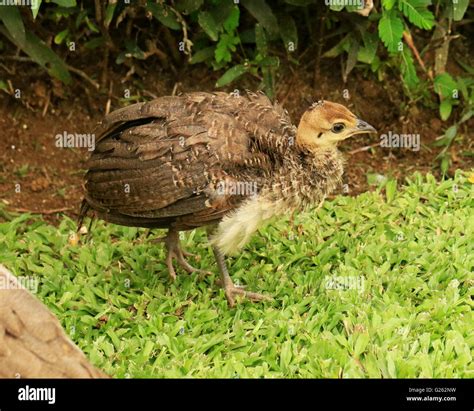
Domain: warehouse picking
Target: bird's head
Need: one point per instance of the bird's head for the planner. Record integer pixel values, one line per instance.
(325, 123)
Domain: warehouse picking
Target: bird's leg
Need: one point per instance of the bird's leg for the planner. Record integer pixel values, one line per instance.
(174, 251)
(230, 289)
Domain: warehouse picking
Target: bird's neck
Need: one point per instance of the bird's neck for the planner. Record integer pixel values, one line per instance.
(320, 163)
(310, 175)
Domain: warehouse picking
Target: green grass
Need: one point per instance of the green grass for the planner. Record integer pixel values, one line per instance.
(370, 288)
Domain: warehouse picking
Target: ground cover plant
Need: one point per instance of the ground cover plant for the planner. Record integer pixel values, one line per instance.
(378, 285)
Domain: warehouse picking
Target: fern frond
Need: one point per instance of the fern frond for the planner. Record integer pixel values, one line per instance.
(417, 13)
(391, 30)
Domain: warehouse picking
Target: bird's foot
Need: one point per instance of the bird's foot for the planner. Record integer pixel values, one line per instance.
(175, 252)
(232, 291)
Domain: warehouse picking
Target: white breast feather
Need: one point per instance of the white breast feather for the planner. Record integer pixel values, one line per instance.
(236, 229)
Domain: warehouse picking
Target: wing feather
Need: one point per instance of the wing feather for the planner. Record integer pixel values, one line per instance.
(160, 163)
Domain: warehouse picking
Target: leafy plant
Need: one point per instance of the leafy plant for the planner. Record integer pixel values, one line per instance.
(246, 38)
(221, 24)
(408, 314)
(394, 22)
(451, 91)
(14, 30)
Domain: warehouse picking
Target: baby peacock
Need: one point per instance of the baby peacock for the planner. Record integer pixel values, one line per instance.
(224, 161)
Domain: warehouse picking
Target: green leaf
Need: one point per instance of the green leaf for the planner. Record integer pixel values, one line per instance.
(107, 348)
(65, 3)
(445, 163)
(375, 65)
(451, 133)
(368, 52)
(59, 38)
(285, 355)
(391, 369)
(459, 9)
(391, 30)
(189, 6)
(361, 344)
(91, 25)
(336, 7)
(164, 14)
(149, 345)
(388, 4)
(270, 61)
(448, 137)
(41, 54)
(444, 85)
(417, 13)
(376, 179)
(289, 33)
(410, 78)
(132, 49)
(261, 39)
(209, 25)
(11, 17)
(391, 190)
(202, 55)
(231, 74)
(232, 21)
(109, 13)
(3, 85)
(466, 116)
(263, 13)
(35, 6)
(351, 58)
(46, 58)
(224, 47)
(94, 43)
(445, 109)
(222, 11)
(340, 47)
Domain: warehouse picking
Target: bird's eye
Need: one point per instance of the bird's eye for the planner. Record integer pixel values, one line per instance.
(338, 127)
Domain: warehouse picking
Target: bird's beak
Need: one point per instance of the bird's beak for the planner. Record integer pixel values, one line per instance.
(363, 127)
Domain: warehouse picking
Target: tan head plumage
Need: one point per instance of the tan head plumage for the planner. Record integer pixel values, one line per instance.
(325, 123)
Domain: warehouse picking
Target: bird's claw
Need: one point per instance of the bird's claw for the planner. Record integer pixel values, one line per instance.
(175, 252)
(232, 291)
